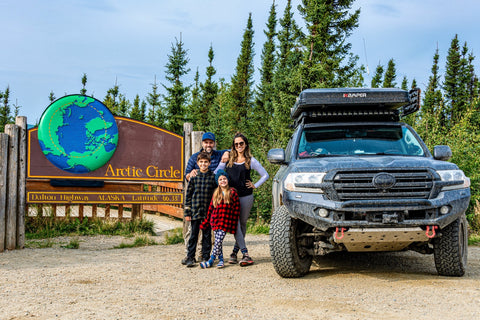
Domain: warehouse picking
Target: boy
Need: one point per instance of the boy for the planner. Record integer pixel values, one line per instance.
(197, 199)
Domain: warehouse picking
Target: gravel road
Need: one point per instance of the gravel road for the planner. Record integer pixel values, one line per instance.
(97, 282)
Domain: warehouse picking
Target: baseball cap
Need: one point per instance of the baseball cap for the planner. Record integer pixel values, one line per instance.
(208, 135)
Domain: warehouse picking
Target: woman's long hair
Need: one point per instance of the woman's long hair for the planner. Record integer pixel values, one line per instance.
(234, 153)
(219, 195)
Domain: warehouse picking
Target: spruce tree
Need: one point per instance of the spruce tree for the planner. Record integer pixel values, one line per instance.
(263, 107)
(194, 112)
(218, 117)
(287, 78)
(241, 84)
(177, 94)
(16, 110)
(155, 113)
(5, 112)
(124, 106)
(390, 75)
(136, 111)
(377, 77)
(404, 85)
(110, 99)
(328, 61)
(414, 84)
(84, 83)
(451, 83)
(430, 113)
(209, 91)
(51, 97)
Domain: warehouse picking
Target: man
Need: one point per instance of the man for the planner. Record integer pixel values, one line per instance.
(208, 146)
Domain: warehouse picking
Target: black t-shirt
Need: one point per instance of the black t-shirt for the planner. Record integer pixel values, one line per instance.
(238, 175)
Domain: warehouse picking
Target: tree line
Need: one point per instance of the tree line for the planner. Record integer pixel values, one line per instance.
(293, 58)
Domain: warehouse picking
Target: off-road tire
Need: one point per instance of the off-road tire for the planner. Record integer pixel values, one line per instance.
(289, 258)
(450, 249)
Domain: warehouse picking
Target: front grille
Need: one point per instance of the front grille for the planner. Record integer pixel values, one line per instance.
(359, 185)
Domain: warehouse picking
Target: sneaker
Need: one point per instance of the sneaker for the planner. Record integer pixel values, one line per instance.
(208, 263)
(190, 262)
(233, 259)
(184, 260)
(246, 261)
(220, 264)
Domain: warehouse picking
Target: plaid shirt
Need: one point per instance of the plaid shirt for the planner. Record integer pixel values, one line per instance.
(224, 216)
(199, 194)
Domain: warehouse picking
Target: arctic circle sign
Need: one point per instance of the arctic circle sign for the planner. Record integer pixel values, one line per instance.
(78, 134)
(81, 153)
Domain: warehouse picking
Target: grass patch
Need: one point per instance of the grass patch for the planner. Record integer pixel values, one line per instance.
(140, 241)
(259, 228)
(174, 236)
(73, 244)
(42, 244)
(474, 239)
(42, 227)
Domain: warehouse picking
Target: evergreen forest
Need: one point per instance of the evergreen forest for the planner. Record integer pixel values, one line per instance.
(312, 53)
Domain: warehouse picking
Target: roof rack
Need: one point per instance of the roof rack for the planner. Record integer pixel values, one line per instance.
(355, 104)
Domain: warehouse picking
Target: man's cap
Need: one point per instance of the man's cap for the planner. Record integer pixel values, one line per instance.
(219, 173)
(208, 135)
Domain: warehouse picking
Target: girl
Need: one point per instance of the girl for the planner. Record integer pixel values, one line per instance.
(238, 167)
(222, 216)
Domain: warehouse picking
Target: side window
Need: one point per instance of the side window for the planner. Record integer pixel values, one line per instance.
(413, 146)
(288, 151)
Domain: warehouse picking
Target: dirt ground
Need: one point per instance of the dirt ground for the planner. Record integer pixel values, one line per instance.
(98, 282)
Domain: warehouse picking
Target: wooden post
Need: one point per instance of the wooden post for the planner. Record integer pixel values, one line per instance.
(137, 211)
(196, 141)
(120, 211)
(21, 122)
(3, 187)
(187, 131)
(12, 188)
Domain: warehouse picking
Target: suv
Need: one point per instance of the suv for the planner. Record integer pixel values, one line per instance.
(354, 178)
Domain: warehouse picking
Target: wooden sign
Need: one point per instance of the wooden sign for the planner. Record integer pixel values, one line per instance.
(81, 154)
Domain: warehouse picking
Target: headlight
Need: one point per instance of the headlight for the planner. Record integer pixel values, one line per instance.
(304, 182)
(455, 179)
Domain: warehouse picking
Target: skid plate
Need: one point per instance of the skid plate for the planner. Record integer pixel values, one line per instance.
(380, 239)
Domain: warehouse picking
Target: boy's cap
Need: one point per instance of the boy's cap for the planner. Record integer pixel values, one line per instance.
(208, 135)
(219, 173)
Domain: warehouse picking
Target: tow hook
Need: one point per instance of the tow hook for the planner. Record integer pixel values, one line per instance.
(336, 233)
(432, 234)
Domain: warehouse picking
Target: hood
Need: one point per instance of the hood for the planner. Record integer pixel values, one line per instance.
(324, 164)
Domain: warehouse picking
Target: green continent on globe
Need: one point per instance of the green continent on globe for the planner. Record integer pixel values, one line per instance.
(78, 134)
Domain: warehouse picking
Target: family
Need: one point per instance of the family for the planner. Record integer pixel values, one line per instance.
(219, 197)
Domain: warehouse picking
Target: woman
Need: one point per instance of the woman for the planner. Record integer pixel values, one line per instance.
(238, 168)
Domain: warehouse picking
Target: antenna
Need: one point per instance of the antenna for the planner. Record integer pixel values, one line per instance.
(365, 51)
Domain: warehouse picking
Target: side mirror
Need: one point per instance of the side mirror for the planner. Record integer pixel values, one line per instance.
(442, 153)
(276, 156)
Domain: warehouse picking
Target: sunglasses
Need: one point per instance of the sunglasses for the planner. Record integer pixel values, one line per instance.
(239, 144)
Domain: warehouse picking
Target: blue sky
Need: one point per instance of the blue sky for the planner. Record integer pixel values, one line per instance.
(47, 45)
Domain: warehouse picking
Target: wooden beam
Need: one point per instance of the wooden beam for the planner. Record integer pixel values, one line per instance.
(3, 187)
(12, 188)
(21, 122)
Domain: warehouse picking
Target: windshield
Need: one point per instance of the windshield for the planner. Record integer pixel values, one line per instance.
(358, 140)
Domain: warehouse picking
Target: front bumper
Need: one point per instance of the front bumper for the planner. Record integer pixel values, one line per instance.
(400, 213)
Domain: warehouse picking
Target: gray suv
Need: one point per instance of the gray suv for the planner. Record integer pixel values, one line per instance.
(354, 178)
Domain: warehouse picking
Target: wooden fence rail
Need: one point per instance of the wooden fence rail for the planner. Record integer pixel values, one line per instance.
(13, 146)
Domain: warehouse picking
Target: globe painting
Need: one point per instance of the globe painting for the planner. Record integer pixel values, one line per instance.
(78, 134)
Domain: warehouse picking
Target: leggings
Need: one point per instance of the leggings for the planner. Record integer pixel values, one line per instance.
(246, 204)
(218, 244)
